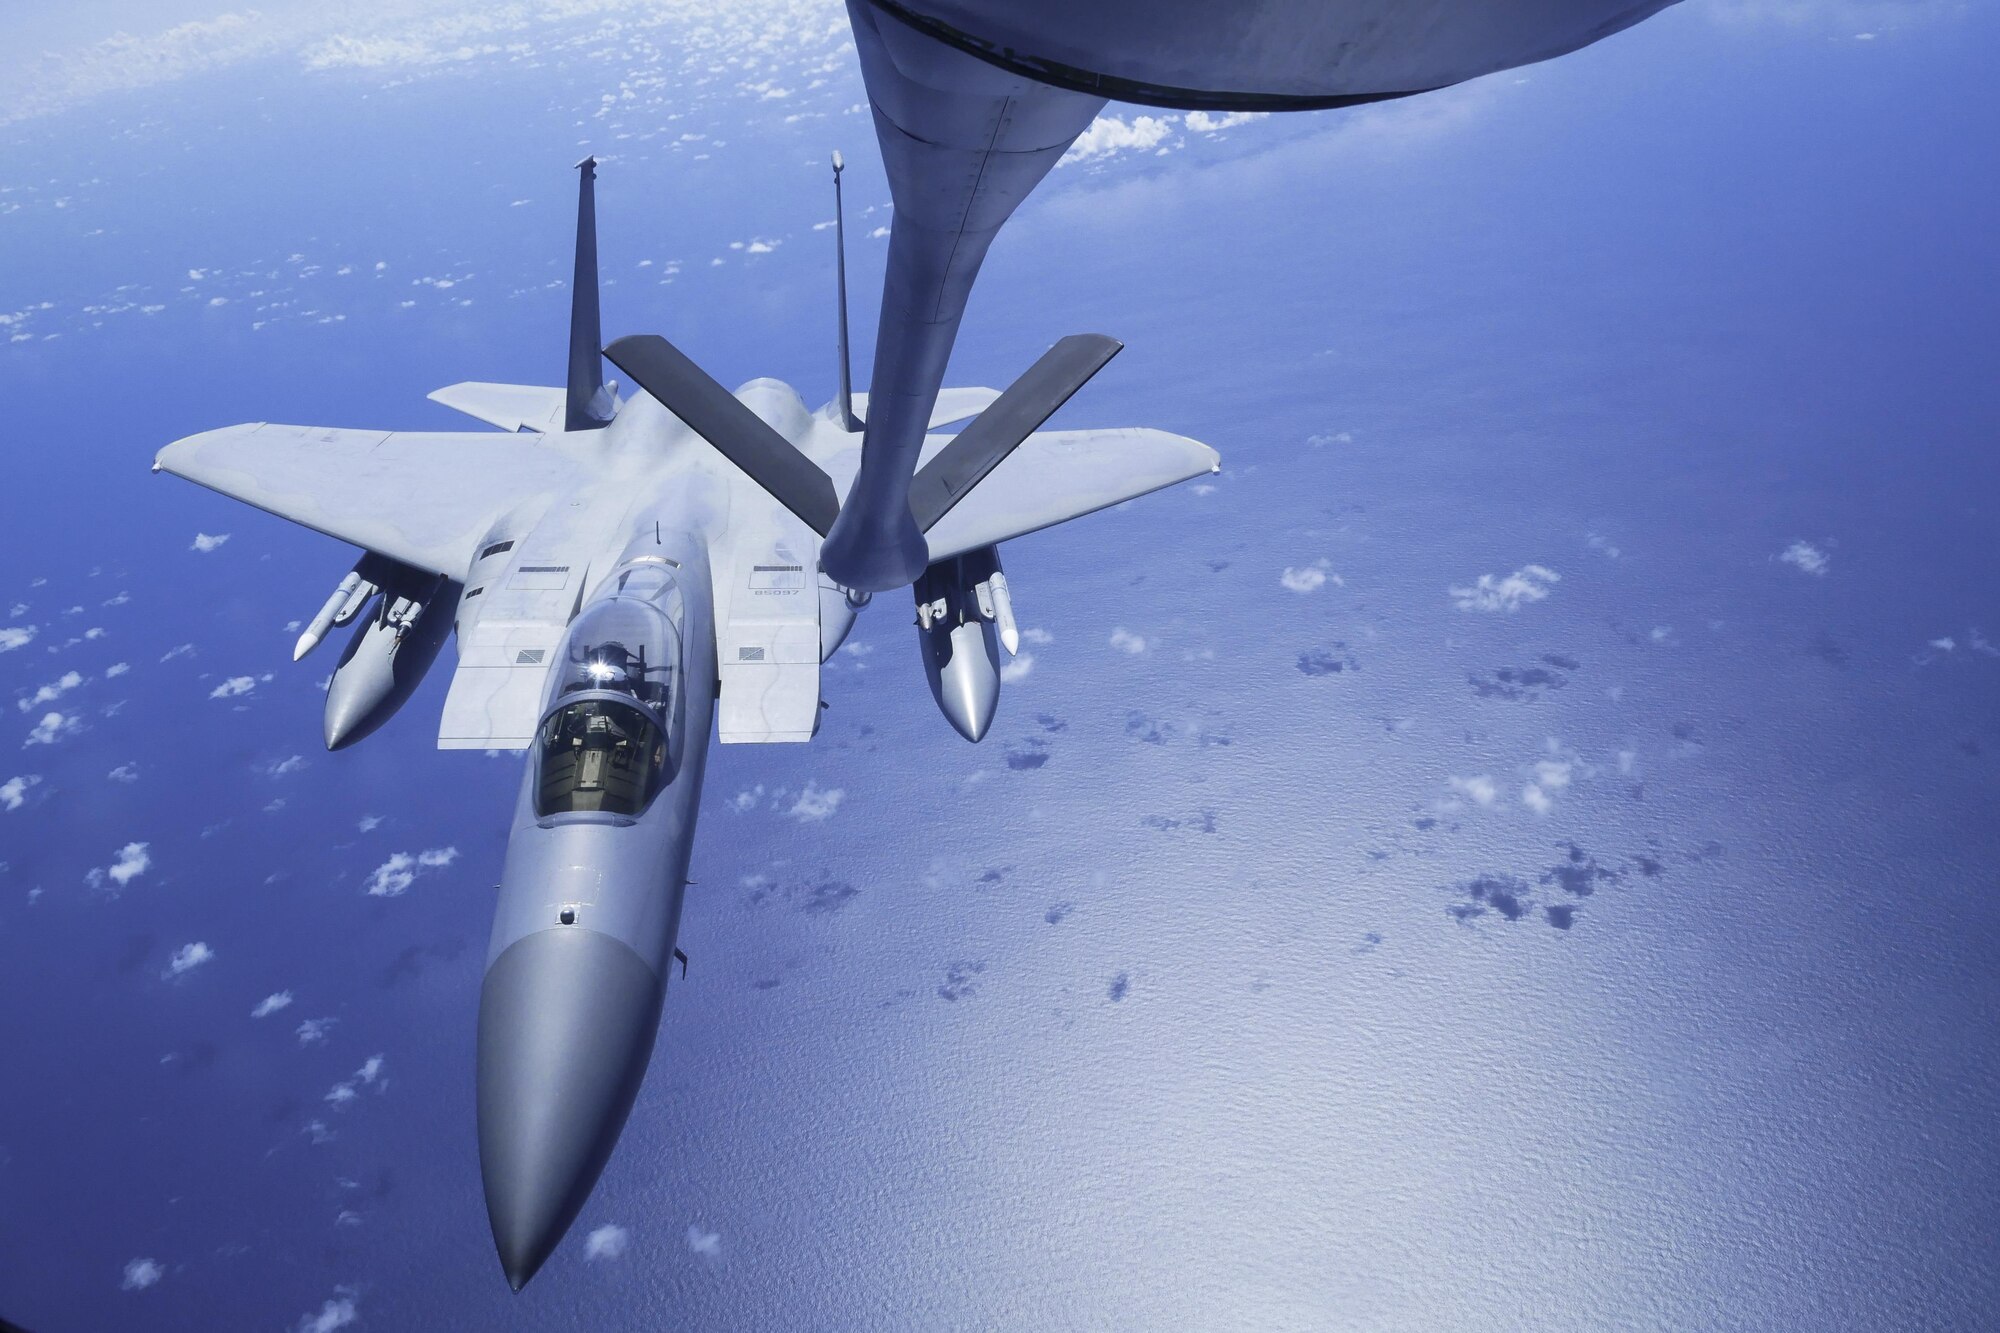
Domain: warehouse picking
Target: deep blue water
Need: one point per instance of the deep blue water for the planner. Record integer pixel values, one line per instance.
(1207, 992)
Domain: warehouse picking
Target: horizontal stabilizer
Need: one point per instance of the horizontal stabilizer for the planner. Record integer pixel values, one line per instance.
(508, 406)
(737, 433)
(952, 405)
(999, 430)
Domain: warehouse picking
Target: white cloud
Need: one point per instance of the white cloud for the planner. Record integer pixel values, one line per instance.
(1857, 20)
(116, 669)
(337, 1313)
(14, 791)
(369, 823)
(180, 650)
(1037, 636)
(127, 773)
(17, 636)
(340, 1095)
(205, 543)
(1530, 583)
(1309, 578)
(292, 764)
(747, 799)
(141, 1274)
(187, 958)
(53, 691)
(1126, 641)
(394, 876)
(233, 687)
(371, 1071)
(133, 860)
(1479, 789)
(816, 804)
(1018, 669)
(1112, 134)
(606, 1242)
(52, 728)
(1200, 122)
(272, 1003)
(313, 1030)
(705, 1243)
(1806, 557)
(1553, 774)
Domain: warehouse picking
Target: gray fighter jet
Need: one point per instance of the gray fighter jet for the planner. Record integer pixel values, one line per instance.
(625, 575)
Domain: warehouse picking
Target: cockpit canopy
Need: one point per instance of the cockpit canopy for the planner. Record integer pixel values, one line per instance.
(621, 644)
(606, 742)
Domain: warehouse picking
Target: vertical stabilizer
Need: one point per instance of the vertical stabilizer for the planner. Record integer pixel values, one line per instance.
(848, 421)
(588, 405)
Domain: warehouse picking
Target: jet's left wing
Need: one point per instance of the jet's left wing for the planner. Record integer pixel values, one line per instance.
(1055, 476)
(425, 499)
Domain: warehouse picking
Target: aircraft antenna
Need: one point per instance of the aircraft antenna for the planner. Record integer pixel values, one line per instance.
(848, 421)
(586, 407)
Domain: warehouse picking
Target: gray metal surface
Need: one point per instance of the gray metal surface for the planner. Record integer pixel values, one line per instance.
(567, 1018)
(691, 394)
(975, 100)
(587, 405)
(385, 661)
(1019, 411)
(1264, 54)
(963, 144)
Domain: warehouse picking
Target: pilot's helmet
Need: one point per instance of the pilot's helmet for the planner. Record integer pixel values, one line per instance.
(609, 666)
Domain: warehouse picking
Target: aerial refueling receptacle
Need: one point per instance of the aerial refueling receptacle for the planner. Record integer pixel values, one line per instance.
(964, 615)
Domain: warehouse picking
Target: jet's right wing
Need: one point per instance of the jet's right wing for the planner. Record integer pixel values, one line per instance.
(1055, 476)
(425, 499)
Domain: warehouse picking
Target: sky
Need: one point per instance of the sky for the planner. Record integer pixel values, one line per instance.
(1515, 846)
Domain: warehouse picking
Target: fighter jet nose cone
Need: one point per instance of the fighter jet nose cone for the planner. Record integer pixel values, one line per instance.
(566, 1024)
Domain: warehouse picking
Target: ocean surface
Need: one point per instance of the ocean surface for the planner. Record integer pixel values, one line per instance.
(1515, 850)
